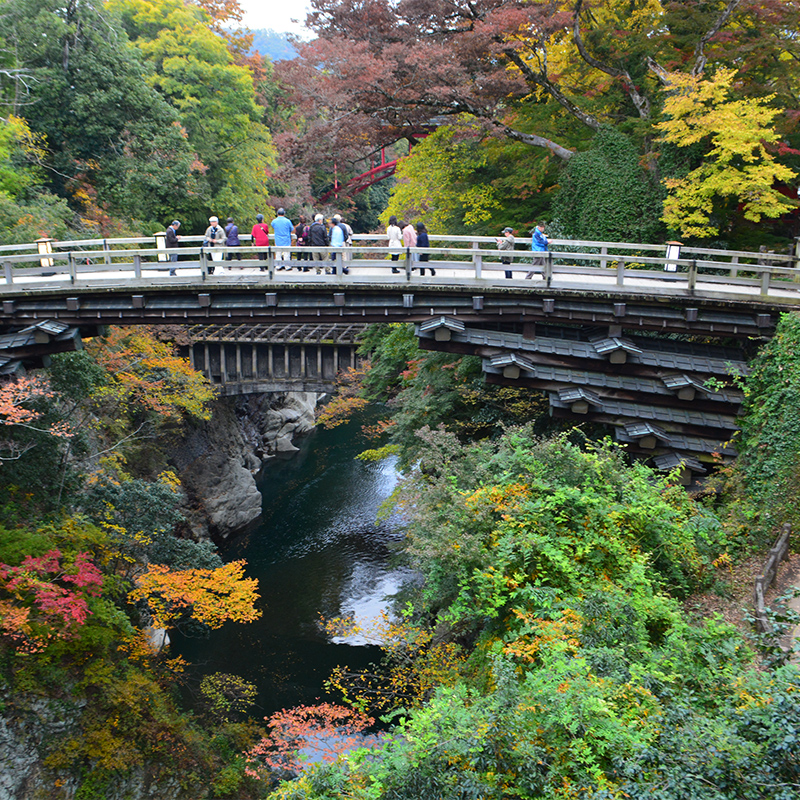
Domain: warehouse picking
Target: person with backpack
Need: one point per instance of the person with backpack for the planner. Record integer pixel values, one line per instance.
(260, 234)
(318, 237)
(301, 232)
(213, 238)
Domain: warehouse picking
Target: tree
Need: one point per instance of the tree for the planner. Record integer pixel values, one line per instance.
(208, 596)
(146, 372)
(16, 397)
(543, 72)
(195, 71)
(738, 168)
(587, 205)
(104, 127)
(46, 598)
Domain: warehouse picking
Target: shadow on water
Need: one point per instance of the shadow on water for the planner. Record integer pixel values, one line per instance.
(318, 551)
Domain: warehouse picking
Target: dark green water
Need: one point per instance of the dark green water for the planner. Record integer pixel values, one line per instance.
(318, 551)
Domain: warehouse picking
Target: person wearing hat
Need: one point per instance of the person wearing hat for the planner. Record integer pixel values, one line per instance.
(506, 243)
(214, 237)
(171, 243)
(538, 245)
(260, 234)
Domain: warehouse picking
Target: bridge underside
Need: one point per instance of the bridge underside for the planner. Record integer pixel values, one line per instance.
(641, 363)
(669, 401)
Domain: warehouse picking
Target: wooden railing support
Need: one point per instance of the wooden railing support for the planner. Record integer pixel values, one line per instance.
(692, 278)
(137, 266)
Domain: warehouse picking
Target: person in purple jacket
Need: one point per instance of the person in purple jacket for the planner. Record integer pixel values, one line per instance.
(232, 239)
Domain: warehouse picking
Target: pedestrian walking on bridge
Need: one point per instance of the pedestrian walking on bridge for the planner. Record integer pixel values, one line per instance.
(539, 244)
(172, 243)
(506, 243)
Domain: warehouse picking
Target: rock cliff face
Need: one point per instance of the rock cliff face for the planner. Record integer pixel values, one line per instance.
(218, 460)
(27, 728)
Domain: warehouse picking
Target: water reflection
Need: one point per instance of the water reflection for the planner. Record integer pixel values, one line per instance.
(318, 552)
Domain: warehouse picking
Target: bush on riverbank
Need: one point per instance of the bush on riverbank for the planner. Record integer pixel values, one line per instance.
(560, 568)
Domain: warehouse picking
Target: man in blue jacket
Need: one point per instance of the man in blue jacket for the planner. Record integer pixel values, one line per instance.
(283, 229)
(538, 245)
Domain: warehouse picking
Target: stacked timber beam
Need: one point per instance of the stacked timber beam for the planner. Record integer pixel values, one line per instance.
(669, 401)
(32, 346)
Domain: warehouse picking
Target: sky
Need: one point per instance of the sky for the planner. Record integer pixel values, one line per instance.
(275, 14)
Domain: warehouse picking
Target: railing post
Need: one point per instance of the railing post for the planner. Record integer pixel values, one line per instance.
(765, 278)
(692, 277)
(620, 271)
(604, 261)
(271, 263)
(734, 266)
(203, 263)
(106, 254)
(797, 252)
(548, 268)
(72, 266)
(408, 263)
(477, 260)
(9, 272)
(137, 266)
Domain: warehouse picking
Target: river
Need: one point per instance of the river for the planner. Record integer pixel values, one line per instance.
(318, 550)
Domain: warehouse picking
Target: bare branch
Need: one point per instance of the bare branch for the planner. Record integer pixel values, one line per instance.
(699, 51)
(540, 79)
(642, 103)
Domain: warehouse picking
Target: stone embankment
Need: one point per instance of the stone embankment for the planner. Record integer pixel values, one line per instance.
(218, 461)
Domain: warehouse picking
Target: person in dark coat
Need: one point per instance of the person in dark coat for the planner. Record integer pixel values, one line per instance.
(232, 239)
(172, 243)
(318, 237)
(422, 241)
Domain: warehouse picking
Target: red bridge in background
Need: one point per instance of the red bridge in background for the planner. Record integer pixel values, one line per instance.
(376, 172)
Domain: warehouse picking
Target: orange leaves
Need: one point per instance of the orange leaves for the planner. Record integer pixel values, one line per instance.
(210, 596)
(15, 398)
(324, 732)
(544, 634)
(348, 398)
(502, 499)
(147, 372)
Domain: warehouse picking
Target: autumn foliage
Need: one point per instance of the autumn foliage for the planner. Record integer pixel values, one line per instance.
(325, 731)
(16, 398)
(46, 598)
(210, 596)
(145, 371)
(347, 399)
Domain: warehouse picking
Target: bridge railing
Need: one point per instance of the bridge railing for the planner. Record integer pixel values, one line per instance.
(588, 265)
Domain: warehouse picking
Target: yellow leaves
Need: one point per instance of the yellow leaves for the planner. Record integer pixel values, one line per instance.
(502, 499)
(738, 164)
(544, 634)
(146, 371)
(210, 596)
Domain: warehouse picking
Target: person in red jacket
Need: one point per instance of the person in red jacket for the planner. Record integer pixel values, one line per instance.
(261, 238)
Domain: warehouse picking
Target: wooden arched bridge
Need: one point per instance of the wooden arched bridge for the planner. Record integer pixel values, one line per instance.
(625, 334)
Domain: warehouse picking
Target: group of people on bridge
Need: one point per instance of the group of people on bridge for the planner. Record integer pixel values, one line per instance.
(290, 239)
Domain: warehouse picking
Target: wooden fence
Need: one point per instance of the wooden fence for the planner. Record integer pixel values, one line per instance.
(778, 553)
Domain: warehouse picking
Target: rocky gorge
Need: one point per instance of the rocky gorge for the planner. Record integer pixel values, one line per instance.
(218, 460)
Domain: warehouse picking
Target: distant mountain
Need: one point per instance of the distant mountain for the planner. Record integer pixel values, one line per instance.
(273, 44)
